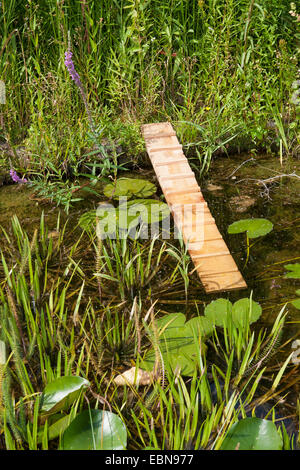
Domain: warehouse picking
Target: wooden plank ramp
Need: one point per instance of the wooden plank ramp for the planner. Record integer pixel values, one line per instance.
(214, 264)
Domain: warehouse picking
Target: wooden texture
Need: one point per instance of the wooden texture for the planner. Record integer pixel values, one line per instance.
(211, 257)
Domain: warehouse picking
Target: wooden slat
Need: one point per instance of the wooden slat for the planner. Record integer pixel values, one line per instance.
(211, 257)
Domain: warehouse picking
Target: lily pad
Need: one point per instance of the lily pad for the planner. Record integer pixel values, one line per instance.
(127, 216)
(294, 271)
(176, 341)
(61, 393)
(252, 434)
(129, 187)
(244, 311)
(149, 211)
(296, 303)
(95, 430)
(254, 227)
(218, 311)
(221, 311)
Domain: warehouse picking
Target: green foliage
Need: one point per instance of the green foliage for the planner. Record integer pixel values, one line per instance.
(129, 187)
(95, 430)
(222, 312)
(107, 219)
(61, 393)
(174, 340)
(294, 271)
(254, 227)
(227, 67)
(296, 302)
(252, 434)
(66, 337)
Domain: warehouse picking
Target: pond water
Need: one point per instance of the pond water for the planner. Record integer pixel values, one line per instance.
(236, 187)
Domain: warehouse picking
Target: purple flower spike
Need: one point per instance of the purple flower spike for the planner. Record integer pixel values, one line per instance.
(71, 68)
(16, 178)
(75, 77)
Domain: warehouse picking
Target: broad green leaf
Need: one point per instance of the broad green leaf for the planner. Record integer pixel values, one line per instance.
(129, 187)
(252, 434)
(202, 326)
(221, 310)
(107, 219)
(254, 227)
(127, 216)
(148, 211)
(56, 428)
(218, 310)
(245, 310)
(61, 393)
(294, 271)
(296, 303)
(176, 340)
(95, 430)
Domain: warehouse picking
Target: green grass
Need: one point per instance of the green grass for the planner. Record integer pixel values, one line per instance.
(227, 67)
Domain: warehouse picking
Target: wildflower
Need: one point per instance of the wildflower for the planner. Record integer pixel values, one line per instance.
(75, 77)
(16, 178)
(71, 68)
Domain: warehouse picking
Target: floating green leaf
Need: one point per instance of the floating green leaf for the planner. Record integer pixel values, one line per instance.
(129, 187)
(252, 434)
(148, 211)
(294, 271)
(95, 430)
(126, 217)
(296, 303)
(61, 393)
(218, 311)
(254, 227)
(242, 312)
(245, 311)
(176, 342)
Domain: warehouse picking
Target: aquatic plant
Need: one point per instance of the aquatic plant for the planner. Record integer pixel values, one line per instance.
(252, 434)
(254, 228)
(134, 218)
(294, 271)
(198, 414)
(95, 430)
(129, 187)
(64, 346)
(176, 338)
(296, 302)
